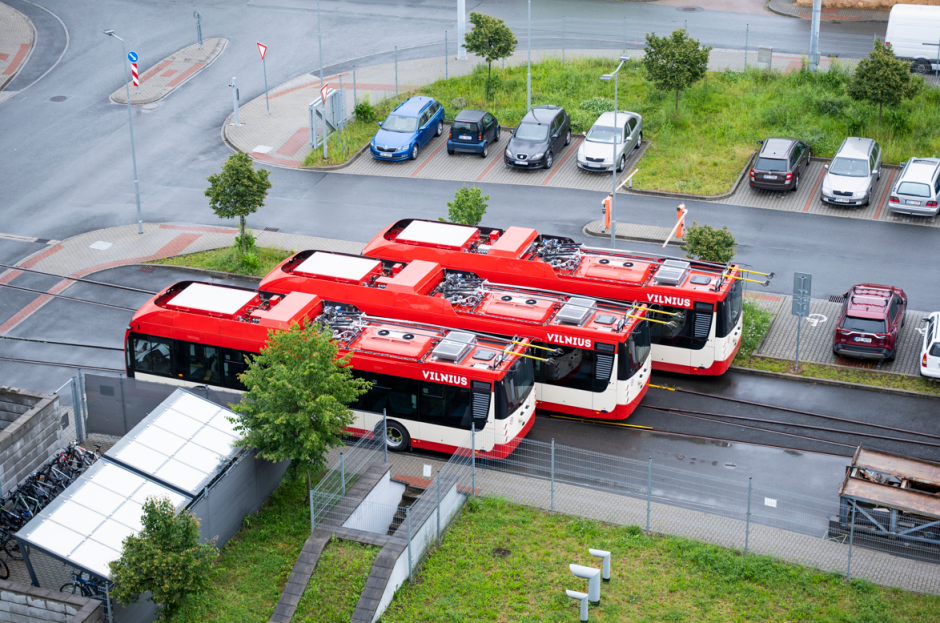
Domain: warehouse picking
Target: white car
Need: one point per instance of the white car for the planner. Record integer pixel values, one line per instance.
(930, 353)
(596, 152)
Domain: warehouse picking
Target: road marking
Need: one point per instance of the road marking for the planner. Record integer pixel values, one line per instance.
(431, 157)
(15, 63)
(294, 143)
(812, 193)
(884, 192)
(151, 73)
(815, 319)
(573, 149)
(183, 76)
(28, 239)
(498, 157)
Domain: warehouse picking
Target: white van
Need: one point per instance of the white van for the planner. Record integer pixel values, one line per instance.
(914, 35)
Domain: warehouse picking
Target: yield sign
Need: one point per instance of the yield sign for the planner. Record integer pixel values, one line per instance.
(262, 48)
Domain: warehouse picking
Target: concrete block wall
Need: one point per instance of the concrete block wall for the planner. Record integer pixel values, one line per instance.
(21, 603)
(29, 432)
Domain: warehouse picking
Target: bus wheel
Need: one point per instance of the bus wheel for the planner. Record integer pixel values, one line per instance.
(397, 437)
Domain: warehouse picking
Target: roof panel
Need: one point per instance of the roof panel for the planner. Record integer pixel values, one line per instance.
(439, 234)
(53, 537)
(161, 440)
(215, 440)
(143, 458)
(90, 495)
(214, 299)
(95, 557)
(345, 267)
(176, 422)
(221, 422)
(184, 476)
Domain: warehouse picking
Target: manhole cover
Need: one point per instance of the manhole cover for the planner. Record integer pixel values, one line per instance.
(58, 98)
(146, 269)
(499, 552)
(271, 229)
(690, 9)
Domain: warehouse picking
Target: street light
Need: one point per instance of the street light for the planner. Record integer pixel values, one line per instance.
(613, 162)
(130, 124)
(528, 71)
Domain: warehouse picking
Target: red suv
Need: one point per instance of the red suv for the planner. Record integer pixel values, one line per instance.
(869, 322)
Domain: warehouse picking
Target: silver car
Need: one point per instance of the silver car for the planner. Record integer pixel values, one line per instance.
(596, 152)
(917, 189)
(852, 174)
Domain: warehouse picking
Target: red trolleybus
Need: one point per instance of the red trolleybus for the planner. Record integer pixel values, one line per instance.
(704, 298)
(599, 366)
(433, 383)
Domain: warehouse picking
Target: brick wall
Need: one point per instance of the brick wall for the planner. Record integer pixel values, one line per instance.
(21, 603)
(29, 433)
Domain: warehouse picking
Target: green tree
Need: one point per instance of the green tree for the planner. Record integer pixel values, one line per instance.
(491, 40)
(675, 62)
(704, 242)
(239, 190)
(467, 208)
(164, 559)
(298, 389)
(882, 79)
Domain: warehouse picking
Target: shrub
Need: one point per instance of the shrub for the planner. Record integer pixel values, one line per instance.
(597, 106)
(757, 321)
(467, 208)
(705, 242)
(364, 111)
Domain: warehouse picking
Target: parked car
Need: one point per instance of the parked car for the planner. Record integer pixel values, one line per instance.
(912, 34)
(780, 163)
(540, 136)
(472, 132)
(852, 174)
(596, 152)
(868, 325)
(930, 352)
(408, 128)
(917, 190)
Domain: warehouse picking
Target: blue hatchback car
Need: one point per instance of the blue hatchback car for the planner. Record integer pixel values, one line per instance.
(408, 128)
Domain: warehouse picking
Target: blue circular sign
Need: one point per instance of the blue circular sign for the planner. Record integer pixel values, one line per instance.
(132, 56)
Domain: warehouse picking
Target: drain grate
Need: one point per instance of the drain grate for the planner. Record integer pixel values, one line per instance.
(836, 299)
(271, 229)
(146, 269)
(58, 98)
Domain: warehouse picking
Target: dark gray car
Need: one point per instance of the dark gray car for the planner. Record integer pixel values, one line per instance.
(540, 136)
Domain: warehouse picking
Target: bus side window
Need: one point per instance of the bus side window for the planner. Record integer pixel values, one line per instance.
(573, 369)
(152, 355)
(376, 399)
(233, 364)
(446, 405)
(199, 363)
(403, 397)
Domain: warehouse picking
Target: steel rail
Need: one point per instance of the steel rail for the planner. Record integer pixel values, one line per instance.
(26, 339)
(79, 279)
(61, 365)
(68, 298)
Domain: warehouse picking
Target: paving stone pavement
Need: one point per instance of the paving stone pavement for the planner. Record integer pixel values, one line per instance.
(17, 35)
(816, 335)
(848, 14)
(630, 231)
(161, 79)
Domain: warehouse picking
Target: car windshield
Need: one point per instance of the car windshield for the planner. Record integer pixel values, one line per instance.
(934, 349)
(465, 126)
(914, 189)
(849, 167)
(397, 123)
(531, 132)
(604, 134)
(771, 164)
(863, 325)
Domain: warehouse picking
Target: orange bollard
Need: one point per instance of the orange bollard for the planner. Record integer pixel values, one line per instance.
(680, 219)
(606, 203)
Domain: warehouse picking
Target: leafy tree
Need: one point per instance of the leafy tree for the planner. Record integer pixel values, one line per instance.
(467, 208)
(882, 79)
(164, 559)
(298, 389)
(704, 242)
(491, 40)
(238, 190)
(675, 62)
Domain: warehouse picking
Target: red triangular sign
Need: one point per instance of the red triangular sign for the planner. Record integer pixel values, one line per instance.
(262, 48)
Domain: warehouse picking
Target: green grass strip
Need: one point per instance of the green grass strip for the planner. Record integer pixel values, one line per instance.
(230, 260)
(336, 583)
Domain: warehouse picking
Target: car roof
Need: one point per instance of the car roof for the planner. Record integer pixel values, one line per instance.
(777, 147)
(868, 300)
(469, 115)
(413, 106)
(545, 113)
(854, 147)
(607, 118)
(920, 170)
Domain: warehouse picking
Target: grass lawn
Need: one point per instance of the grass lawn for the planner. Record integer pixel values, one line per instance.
(227, 259)
(653, 578)
(336, 583)
(702, 148)
(254, 565)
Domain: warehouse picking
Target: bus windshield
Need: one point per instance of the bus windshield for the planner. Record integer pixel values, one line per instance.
(634, 352)
(515, 388)
(729, 310)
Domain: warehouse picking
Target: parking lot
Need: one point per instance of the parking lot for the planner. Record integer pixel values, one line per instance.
(434, 163)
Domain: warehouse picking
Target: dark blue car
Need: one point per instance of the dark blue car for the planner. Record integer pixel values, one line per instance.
(408, 128)
(472, 132)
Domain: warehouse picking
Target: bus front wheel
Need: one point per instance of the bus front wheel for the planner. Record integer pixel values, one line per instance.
(396, 436)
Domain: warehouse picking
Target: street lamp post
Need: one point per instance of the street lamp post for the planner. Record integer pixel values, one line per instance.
(130, 124)
(528, 76)
(613, 161)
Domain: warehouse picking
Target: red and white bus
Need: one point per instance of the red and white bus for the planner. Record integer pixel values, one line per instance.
(704, 298)
(599, 364)
(433, 383)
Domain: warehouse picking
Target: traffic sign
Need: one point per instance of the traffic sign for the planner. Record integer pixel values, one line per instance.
(802, 288)
(132, 56)
(262, 48)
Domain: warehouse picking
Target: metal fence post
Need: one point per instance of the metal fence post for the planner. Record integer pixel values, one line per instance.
(747, 524)
(76, 412)
(342, 473)
(445, 55)
(342, 106)
(82, 402)
(473, 458)
(649, 490)
(438, 508)
(385, 433)
(553, 474)
(396, 72)
(848, 571)
(313, 525)
(411, 577)
(355, 98)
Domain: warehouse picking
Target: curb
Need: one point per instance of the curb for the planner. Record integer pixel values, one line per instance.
(218, 274)
(32, 47)
(734, 188)
(782, 14)
(171, 91)
(834, 383)
(586, 232)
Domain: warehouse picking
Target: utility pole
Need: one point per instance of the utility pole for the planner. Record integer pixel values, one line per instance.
(814, 36)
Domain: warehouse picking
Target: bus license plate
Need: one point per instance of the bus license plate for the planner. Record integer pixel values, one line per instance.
(770, 177)
(867, 340)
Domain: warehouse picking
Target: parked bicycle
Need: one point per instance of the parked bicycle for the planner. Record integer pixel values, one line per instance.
(78, 585)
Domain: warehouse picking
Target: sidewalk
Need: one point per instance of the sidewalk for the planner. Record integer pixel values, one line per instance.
(791, 8)
(17, 35)
(161, 79)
